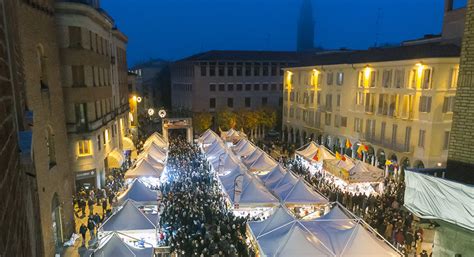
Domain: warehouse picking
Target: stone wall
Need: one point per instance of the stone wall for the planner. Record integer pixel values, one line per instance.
(461, 155)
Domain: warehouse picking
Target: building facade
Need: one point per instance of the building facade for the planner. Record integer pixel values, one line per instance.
(147, 84)
(94, 79)
(218, 80)
(44, 100)
(397, 101)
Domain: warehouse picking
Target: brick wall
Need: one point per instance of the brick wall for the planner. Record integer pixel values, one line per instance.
(15, 236)
(461, 148)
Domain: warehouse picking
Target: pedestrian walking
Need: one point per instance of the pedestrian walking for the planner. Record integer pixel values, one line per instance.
(91, 226)
(83, 231)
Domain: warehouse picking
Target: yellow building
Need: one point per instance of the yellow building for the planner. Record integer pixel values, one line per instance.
(397, 101)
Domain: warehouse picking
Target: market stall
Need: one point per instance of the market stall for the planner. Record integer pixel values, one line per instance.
(232, 135)
(157, 139)
(131, 221)
(138, 192)
(143, 169)
(120, 245)
(282, 234)
(243, 148)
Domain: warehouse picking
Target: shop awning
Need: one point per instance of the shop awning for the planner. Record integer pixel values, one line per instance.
(127, 143)
(115, 158)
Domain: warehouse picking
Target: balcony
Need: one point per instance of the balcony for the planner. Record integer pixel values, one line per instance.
(388, 144)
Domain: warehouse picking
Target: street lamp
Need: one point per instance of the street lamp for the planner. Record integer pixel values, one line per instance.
(151, 112)
(139, 99)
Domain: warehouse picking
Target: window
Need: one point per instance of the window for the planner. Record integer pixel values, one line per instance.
(421, 138)
(318, 99)
(265, 87)
(370, 129)
(99, 145)
(230, 87)
(425, 104)
(212, 87)
(238, 69)
(248, 69)
(387, 78)
(329, 78)
(340, 78)
(359, 98)
(230, 69)
(78, 76)
(274, 69)
(329, 102)
(454, 77)
(399, 77)
(81, 115)
(273, 87)
(394, 134)
(327, 119)
(280, 101)
(338, 100)
(337, 121)
(212, 103)
(203, 69)
(406, 144)
(239, 87)
(256, 69)
(426, 82)
(212, 69)
(446, 140)
(360, 83)
(357, 125)
(373, 79)
(75, 37)
(50, 145)
(264, 101)
(382, 131)
(369, 102)
(448, 104)
(221, 68)
(84, 148)
(248, 102)
(265, 69)
(248, 87)
(256, 87)
(221, 87)
(282, 66)
(343, 122)
(230, 102)
(98, 112)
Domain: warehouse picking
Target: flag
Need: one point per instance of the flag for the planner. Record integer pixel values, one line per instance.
(348, 143)
(338, 156)
(388, 162)
(316, 156)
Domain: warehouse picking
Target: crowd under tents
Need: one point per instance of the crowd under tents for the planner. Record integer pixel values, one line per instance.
(333, 234)
(138, 192)
(131, 221)
(113, 245)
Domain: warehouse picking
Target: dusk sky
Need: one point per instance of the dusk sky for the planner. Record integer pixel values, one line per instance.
(173, 29)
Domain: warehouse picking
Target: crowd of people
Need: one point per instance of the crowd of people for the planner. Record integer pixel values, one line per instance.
(194, 218)
(382, 211)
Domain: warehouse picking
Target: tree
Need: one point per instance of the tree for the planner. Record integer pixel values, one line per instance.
(226, 119)
(202, 121)
(248, 121)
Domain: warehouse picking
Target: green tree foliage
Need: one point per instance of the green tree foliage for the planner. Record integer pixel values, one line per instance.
(226, 119)
(202, 121)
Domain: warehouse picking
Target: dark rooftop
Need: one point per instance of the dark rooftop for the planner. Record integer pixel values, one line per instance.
(381, 54)
(237, 55)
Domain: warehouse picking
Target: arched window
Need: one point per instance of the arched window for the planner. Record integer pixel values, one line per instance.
(50, 146)
(41, 60)
(56, 222)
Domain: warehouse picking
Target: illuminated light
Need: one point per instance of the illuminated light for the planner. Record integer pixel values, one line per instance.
(367, 71)
(139, 99)
(134, 98)
(162, 113)
(151, 111)
(107, 135)
(439, 164)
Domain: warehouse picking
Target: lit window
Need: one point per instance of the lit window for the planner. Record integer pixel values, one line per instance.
(84, 148)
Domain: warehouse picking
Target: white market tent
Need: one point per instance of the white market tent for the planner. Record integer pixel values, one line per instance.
(354, 171)
(215, 150)
(232, 135)
(284, 235)
(244, 148)
(156, 152)
(250, 159)
(157, 139)
(272, 176)
(301, 193)
(308, 151)
(263, 163)
(138, 192)
(253, 192)
(431, 197)
(208, 137)
(113, 246)
(143, 169)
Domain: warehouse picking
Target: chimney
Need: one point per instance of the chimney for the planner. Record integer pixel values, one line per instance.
(460, 165)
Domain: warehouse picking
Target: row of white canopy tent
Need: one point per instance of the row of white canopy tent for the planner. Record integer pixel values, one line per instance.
(232, 135)
(290, 189)
(151, 161)
(337, 233)
(349, 173)
(131, 229)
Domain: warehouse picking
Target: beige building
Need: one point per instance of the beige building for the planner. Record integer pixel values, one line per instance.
(94, 79)
(398, 101)
(44, 99)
